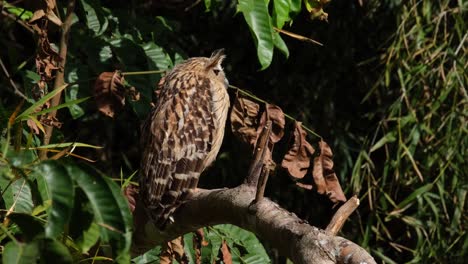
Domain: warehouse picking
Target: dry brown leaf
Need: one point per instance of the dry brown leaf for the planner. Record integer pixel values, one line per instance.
(226, 253)
(109, 92)
(276, 115)
(174, 250)
(33, 126)
(131, 192)
(325, 178)
(244, 120)
(199, 242)
(297, 160)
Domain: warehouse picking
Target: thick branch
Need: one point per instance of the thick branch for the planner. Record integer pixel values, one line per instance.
(60, 77)
(293, 237)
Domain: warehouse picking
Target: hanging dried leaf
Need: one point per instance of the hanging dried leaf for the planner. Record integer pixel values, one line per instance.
(297, 160)
(131, 192)
(199, 242)
(276, 115)
(226, 253)
(109, 92)
(244, 120)
(174, 250)
(325, 178)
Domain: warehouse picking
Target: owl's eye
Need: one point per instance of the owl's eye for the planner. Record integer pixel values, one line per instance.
(216, 71)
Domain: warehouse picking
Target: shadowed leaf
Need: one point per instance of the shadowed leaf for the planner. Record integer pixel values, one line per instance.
(109, 92)
(297, 160)
(324, 176)
(244, 120)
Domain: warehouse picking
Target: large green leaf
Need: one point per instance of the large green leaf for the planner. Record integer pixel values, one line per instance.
(257, 17)
(157, 57)
(95, 20)
(83, 229)
(52, 251)
(30, 226)
(109, 208)
(61, 192)
(20, 253)
(19, 196)
(280, 12)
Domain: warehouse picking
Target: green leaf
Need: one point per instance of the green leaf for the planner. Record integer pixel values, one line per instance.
(388, 138)
(256, 15)
(280, 45)
(61, 192)
(280, 13)
(415, 194)
(72, 94)
(20, 253)
(95, 20)
(151, 256)
(52, 251)
(19, 196)
(69, 144)
(54, 108)
(295, 7)
(44, 99)
(157, 57)
(30, 226)
(106, 202)
(207, 5)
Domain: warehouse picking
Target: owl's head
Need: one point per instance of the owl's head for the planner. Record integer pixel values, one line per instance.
(211, 66)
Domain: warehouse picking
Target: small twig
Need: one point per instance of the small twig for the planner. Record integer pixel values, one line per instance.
(15, 88)
(342, 215)
(261, 147)
(143, 72)
(192, 5)
(297, 36)
(262, 181)
(60, 77)
(26, 26)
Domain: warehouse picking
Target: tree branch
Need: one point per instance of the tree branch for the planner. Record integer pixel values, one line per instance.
(293, 237)
(60, 77)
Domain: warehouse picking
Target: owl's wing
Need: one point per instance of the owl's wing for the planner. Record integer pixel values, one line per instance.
(178, 137)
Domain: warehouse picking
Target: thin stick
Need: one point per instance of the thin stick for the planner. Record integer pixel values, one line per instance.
(26, 26)
(59, 78)
(262, 181)
(297, 36)
(259, 155)
(342, 215)
(15, 88)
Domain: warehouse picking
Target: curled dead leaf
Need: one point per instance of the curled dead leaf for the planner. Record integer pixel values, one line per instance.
(33, 126)
(109, 92)
(226, 253)
(297, 160)
(244, 119)
(276, 115)
(324, 176)
(174, 250)
(131, 193)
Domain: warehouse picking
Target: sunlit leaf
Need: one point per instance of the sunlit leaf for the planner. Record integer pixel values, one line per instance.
(61, 192)
(257, 17)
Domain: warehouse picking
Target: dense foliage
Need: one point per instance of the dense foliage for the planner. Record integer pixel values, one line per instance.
(386, 88)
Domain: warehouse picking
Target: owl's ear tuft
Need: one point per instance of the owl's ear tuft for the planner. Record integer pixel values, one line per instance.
(216, 58)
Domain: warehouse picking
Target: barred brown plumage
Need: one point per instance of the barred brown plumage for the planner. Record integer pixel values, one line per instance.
(183, 134)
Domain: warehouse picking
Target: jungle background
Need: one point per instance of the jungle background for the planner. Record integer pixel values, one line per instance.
(386, 88)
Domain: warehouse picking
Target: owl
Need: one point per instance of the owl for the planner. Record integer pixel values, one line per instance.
(183, 134)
